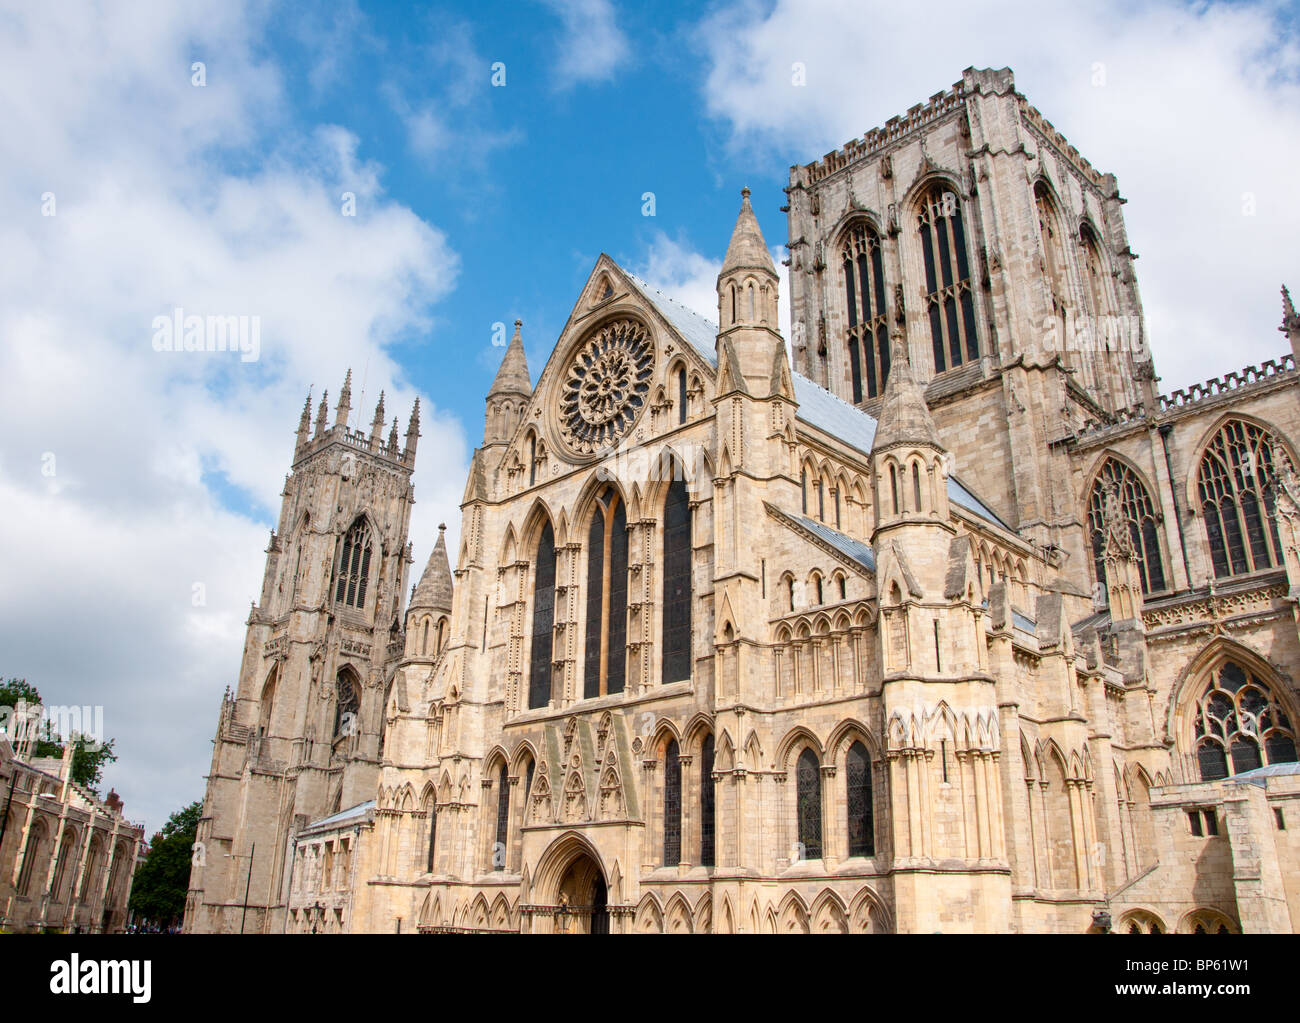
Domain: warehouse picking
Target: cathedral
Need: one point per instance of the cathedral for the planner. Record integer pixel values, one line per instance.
(939, 617)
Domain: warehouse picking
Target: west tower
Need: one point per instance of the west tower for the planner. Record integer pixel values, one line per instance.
(300, 738)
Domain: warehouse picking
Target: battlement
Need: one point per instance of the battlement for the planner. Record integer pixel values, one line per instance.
(937, 107)
(1185, 397)
(358, 439)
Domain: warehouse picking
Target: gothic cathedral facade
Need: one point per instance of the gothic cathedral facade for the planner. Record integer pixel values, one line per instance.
(943, 618)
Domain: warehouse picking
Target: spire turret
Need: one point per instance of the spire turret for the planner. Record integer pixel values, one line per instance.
(904, 416)
(304, 426)
(412, 432)
(747, 250)
(377, 425)
(509, 393)
(322, 416)
(345, 402)
(434, 590)
(747, 304)
(1290, 324)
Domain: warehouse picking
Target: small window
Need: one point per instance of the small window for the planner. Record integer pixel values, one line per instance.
(1211, 822)
(1194, 818)
(1281, 821)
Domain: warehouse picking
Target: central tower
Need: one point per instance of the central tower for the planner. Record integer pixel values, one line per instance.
(974, 224)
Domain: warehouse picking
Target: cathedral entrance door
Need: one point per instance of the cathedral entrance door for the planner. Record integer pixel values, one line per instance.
(583, 899)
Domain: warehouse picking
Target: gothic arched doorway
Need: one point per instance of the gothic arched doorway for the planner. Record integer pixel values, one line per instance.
(583, 900)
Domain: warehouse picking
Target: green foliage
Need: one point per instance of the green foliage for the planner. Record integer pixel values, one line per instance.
(88, 757)
(163, 880)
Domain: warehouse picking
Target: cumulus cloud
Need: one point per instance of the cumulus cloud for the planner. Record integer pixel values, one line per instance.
(127, 473)
(1195, 108)
(674, 267)
(591, 46)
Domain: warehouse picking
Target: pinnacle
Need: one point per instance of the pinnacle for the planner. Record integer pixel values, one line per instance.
(904, 416)
(747, 249)
(435, 587)
(513, 376)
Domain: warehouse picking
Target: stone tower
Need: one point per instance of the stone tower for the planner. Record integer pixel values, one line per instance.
(976, 224)
(300, 737)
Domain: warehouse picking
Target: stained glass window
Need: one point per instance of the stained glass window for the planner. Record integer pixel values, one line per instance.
(1239, 725)
(862, 837)
(672, 805)
(539, 679)
(503, 818)
(808, 795)
(949, 300)
(1237, 482)
(354, 566)
(868, 331)
(677, 584)
(1140, 513)
(706, 802)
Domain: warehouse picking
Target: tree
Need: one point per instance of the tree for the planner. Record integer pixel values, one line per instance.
(88, 756)
(163, 880)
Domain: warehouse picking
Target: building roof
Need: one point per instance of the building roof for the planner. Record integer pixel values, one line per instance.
(698, 330)
(352, 813)
(847, 545)
(1257, 776)
(818, 407)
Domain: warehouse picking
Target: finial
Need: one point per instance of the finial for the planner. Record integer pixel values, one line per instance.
(442, 527)
(744, 192)
(1289, 318)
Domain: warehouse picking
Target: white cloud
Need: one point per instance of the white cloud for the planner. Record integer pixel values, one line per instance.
(1201, 105)
(591, 46)
(205, 198)
(673, 267)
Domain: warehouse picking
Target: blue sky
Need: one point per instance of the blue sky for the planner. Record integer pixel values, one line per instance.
(539, 175)
(128, 476)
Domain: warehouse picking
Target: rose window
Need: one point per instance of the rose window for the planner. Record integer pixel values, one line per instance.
(606, 386)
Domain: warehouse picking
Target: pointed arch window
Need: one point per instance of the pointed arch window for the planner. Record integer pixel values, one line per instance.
(1094, 271)
(528, 792)
(433, 832)
(503, 818)
(532, 459)
(1237, 485)
(681, 395)
(857, 773)
(36, 845)
(1053, 256)
(353, 572)
(677, 583)
(864, 291)
(803, 488)
(539, 676)
(605, 661)
(672, 804)
(808, 798)
(1139, 511)
(346, 705)
(706, 803)
(1239, 725)
(949, 300)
